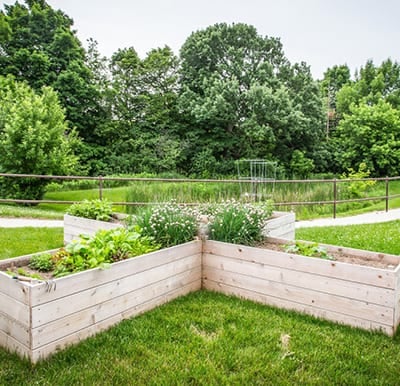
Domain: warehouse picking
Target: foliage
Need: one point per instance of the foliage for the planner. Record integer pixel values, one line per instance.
(370, 134)
(239, 223)
(92, 209)
(42, 49)
(242, 99)
(357, 188)
(308, 249)
(300, 165)
(169, 224)
(42, 262)
(105, 247)
(34, 139)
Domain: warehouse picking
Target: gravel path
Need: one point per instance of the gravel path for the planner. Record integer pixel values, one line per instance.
(367, 218)
(25, 222)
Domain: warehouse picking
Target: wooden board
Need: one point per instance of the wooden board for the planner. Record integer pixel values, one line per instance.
(356, 273)
(55, 346)
(96, 277)
(76, 226)
(291, 305)
(61, 307)
(322, 301)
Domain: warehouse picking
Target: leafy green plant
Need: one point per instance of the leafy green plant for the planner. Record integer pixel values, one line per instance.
(239, 223)
(42, 262)
(356, 188)
(102, 249)
(308, 249)
(169, 224)
(92, 209)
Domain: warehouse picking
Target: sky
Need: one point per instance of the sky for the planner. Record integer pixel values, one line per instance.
(322, 33)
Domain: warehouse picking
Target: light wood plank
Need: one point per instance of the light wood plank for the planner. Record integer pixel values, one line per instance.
(15, 330)
(55, 346)
(83, 319)
(95, 277)
(12, 345)
(15, 309)
(349, 307)
(61, 307)
(302, 308)
(360, 274)
(340, 287)
(15, 289)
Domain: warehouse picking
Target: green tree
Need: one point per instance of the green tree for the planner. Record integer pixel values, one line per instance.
(34, 138)
(143, 98)
(240, 96)
(370, 134)
(39, 46)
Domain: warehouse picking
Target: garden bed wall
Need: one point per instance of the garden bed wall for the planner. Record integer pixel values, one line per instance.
(355, 295)
(282, 225)
(76, 226)
(38, 319)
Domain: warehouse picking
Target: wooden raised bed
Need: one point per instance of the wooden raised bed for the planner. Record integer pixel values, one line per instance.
(281, 225)
(360, 296)
(40, 318)
(76, 226)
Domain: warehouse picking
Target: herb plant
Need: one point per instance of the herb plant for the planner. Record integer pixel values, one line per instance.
(92, 209)
(308, 249)
(239, 223)
(102, 249)
(169, 224)
(42, 262)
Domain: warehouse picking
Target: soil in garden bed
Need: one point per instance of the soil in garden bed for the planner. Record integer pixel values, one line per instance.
(336, 256)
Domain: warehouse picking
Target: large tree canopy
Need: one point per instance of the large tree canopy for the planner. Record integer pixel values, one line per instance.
(243, 98)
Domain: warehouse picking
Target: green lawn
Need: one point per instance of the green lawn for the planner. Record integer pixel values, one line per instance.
(381, 237)
(22, 241)
(211, 339)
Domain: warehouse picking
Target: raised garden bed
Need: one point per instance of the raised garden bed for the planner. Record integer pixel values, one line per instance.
(358, 295)
(75, 226)
(40, 318)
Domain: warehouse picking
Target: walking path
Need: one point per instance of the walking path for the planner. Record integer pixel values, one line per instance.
(366, 218)
(6, 222)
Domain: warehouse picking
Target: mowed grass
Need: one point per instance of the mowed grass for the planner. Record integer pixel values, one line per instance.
(23, 241)
(211, 339)
(380, 237)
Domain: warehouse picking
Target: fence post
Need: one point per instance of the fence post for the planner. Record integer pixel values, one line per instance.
(334, 197)
(387, 193)
(100, 187)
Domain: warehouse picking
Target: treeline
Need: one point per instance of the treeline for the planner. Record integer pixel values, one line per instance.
(230, 94)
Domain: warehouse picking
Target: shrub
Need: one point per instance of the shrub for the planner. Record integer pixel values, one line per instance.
(239, 223)
(169, 224)
(92, 209)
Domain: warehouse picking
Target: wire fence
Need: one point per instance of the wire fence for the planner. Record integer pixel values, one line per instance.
(282, 192)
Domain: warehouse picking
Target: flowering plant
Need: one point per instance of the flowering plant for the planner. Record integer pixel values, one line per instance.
(239, 223)
(169, 224)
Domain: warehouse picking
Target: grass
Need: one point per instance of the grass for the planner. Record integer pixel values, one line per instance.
(381, 237)
(22, 241)
(29, 212)
(211, 339)
(155, 191)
